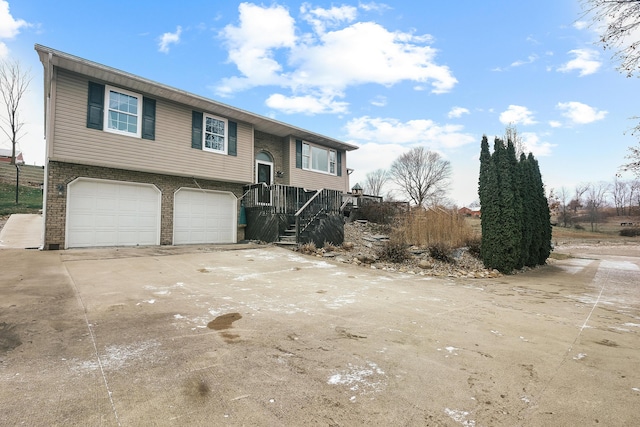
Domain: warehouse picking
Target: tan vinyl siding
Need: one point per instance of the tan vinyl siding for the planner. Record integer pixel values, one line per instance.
(316, 180)
(170, 153)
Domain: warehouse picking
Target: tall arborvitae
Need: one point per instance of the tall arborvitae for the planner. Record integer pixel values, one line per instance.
(516, 227)
(510, 233)
(542, 213)
(528, 209)
(517, 205)
(488, 192)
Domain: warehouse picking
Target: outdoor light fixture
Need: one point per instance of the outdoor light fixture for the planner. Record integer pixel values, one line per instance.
(279, 174)
(60, 189)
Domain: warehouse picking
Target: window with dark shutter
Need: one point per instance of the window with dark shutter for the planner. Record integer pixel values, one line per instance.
(233, 139)
(148, 118)
(339, 153)
(196, 130)
(299, 153)
(95, 106)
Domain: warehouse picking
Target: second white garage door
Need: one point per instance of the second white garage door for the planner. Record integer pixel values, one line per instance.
(204, 216)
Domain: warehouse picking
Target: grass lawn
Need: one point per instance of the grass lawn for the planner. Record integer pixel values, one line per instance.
(29, 199)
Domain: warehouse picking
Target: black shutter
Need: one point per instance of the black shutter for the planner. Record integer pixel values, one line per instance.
(339, 155)
(233, 139)
(299, 153)
(95, 106)
(148, 118)
(196, 130)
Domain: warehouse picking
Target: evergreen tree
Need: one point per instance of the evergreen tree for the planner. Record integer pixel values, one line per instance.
(516, 225)
(517, 208)
(488, 193)
(543, 215)
(528, 222)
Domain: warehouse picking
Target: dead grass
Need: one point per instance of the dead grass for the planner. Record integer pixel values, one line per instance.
(426, 228)
(609, 229)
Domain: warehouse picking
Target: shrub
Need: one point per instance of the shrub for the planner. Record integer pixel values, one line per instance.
(441, 252)
(473, 243)
(329, 247)
(378, 212)
(394, 251)
(578, 227)
(630, 232)
(308, 248)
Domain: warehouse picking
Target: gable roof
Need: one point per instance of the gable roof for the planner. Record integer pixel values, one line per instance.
(51, 57)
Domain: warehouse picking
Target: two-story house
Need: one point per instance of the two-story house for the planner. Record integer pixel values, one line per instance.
(130, 161)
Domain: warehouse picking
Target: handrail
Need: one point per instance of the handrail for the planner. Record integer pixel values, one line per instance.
(308, 202)
(346, 202)
(252, 187)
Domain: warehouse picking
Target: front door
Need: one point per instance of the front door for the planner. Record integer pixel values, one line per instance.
(264, 173)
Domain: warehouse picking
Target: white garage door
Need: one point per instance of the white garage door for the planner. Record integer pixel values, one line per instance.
(203, 216)
(112, 213)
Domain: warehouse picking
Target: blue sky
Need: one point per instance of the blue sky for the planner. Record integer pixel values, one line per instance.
(385, 76)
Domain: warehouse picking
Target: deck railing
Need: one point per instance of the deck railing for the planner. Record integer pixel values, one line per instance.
(284, 199)
(301, 206)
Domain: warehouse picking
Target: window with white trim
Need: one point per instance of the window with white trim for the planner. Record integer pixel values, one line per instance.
(318, 159)
(215, 134)
(122, 111)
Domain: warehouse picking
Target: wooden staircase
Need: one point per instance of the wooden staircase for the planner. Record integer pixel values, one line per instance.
(288, 239)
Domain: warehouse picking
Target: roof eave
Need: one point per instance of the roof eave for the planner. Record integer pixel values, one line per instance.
(121, 78)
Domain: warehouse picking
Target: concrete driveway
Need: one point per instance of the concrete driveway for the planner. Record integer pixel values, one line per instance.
(265, 336)
(22, 231)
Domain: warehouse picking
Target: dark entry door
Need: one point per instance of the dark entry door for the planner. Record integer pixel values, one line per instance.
(264, 174)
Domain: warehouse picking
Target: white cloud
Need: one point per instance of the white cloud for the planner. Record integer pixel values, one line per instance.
(530, 59)
(321, 18)
(306, 104)
(517, 114)
(555, 124)
(579, 113)
(379, 101)
(534, 145)
(168, 39)
(9, 27)
(412, 132)
(586, 61)
(268, 52)
(580, 25)
(457, 112)
(252, 46)
(366, 52)
(374, 7)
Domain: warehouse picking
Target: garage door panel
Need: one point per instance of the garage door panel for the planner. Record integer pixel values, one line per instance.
(112, 213)
(204, 217)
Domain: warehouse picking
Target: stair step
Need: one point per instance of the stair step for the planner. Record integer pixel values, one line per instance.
(286, 244)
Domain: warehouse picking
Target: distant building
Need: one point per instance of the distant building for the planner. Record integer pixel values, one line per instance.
(5, 156)
(469, 212)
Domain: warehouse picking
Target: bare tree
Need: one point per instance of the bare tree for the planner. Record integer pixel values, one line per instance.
(564, 210)
(617, 21)
(375, 181)
(14, 82)
(511, 134)
(423, 175)
(634, 158)
(620, 193)
(596, 199)
(576, 202)
(634, 195)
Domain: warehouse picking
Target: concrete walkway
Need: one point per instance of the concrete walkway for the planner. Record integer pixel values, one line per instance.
(22, 231)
